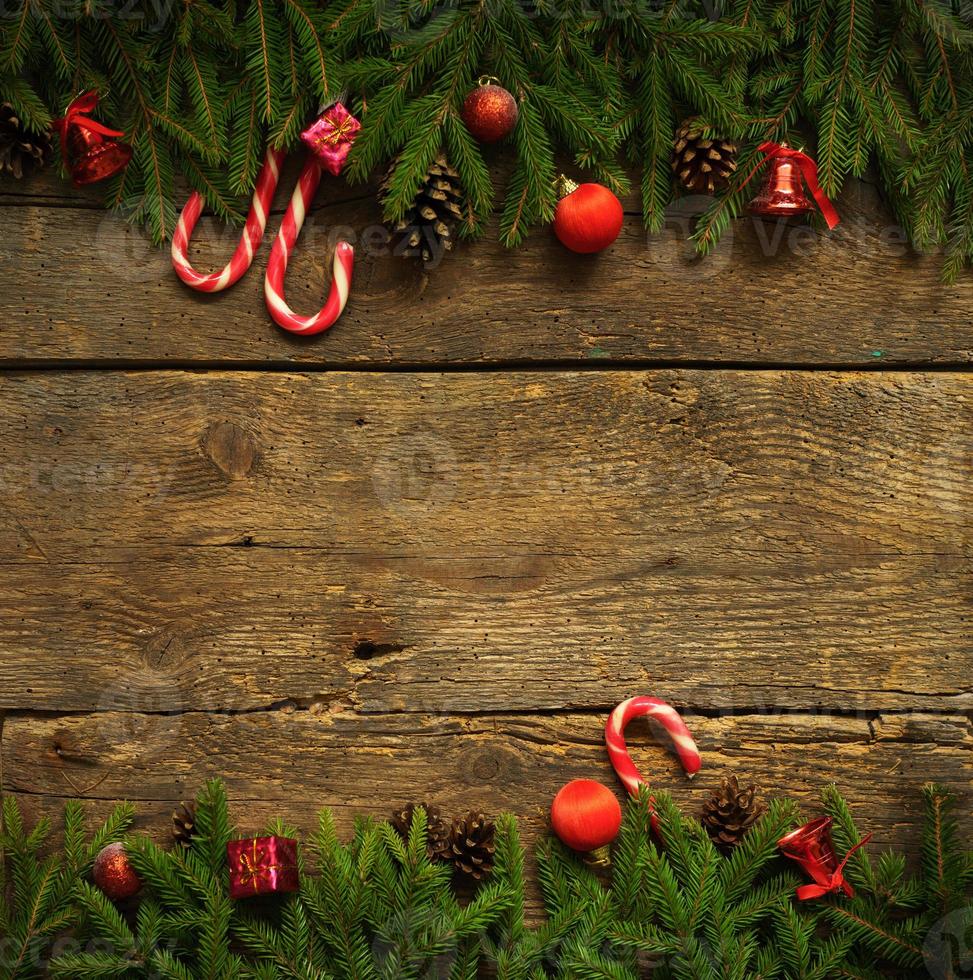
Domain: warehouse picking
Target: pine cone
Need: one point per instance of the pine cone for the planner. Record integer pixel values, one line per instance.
(428, 227)
(21, 153)
(184, 824)
(702, 164)
(730, 812)
(473, 844)
(437, 829)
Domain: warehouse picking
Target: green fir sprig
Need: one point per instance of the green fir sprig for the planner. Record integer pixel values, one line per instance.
(201, 88)
(378, 908)
(42, 892)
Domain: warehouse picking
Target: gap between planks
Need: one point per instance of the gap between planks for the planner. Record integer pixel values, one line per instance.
(500, 366)
(294, 706)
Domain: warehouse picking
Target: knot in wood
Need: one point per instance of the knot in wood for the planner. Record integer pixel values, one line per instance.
(231, 449)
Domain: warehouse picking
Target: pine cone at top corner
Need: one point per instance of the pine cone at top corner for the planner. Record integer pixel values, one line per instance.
(702, 164)
(428, 228)
(21, 153)
(184, 824)
(437, 829)
(473, 844)
(730, 812)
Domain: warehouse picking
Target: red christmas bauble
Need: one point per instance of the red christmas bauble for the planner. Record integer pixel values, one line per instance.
(113, 873)
(588, 218)
(490, 112)
(585, 815)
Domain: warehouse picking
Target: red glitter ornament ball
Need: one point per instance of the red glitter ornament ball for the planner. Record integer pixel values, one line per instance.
(113, 873)
(490, 111)
(588, 217)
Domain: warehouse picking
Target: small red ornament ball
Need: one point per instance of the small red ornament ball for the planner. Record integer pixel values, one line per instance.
(490, 112)
(113, 873)
(588, 219)
(585, 815)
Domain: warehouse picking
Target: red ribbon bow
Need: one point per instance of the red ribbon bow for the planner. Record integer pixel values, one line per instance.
(75, 116)
(809, 171)
(827, 883)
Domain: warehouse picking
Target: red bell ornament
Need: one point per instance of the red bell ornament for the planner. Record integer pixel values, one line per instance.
(783, 194)
(588, 217)
(811, 847)
(88, 147)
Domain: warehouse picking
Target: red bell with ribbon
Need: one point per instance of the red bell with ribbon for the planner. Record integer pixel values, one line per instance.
(811, 847)
(783, 194)
(88, 147)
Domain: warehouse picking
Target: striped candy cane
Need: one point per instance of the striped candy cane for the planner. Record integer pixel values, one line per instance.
(253, 232)
(344, 256)
(673, 724)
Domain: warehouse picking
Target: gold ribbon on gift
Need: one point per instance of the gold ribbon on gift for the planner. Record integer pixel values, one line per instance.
(252, 868)
(340, 132)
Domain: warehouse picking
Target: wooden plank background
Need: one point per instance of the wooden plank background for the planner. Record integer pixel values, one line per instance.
(89, 287)
(427, 552)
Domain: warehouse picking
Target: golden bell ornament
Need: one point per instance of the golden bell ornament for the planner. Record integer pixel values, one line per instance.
(782, 194)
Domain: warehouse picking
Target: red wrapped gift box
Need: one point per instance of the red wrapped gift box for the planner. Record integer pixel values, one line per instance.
(259, 865)
(331, 136)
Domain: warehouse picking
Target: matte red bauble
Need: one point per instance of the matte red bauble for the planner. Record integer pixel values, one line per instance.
(490, 111)
(588, 217)
(113, 873)
(585, 815)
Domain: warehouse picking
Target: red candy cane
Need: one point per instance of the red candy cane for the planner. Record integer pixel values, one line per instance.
(253, 232)
(673, 724)
(290, 228)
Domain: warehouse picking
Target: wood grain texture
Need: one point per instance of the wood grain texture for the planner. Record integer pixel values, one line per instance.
(357, 588)
(88, 287)
(292, 762)
(485, 542)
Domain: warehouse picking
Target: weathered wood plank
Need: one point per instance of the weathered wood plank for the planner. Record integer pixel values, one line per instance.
(89, 287)
(471, 542)
(291, 763)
